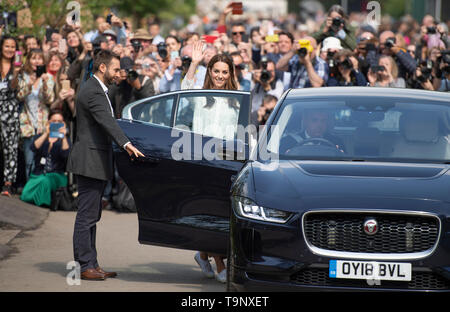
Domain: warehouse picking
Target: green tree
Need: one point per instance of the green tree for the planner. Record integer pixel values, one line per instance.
(166, 9)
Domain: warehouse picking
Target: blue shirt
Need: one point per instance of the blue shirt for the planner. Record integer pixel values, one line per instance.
(299, 74)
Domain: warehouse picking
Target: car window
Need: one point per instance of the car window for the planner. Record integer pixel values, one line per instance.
(156, 111)
(213, 114)
(388, 130)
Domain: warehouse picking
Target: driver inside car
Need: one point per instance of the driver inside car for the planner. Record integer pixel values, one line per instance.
(314, 132)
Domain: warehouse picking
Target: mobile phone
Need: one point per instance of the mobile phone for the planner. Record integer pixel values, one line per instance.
(40, 69)
(54, 130)
(237, 8)
(108, 18)
(48, 34)
(18, 58)
(65, 84)
(209, 39)
(174, 55)
(377, 68)
(62, 45)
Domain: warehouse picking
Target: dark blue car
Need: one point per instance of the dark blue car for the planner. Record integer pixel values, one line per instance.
(346, 189)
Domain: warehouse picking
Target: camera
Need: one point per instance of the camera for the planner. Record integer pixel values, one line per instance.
(330, 58)
(265, 74)
(185, 63)
(302, 52)
(346, 64)
(390, 42)
(162, 50)
(336, 23)
(132, 75)
(431, 30)
(446, 56)
(136, 45)
(426, 69)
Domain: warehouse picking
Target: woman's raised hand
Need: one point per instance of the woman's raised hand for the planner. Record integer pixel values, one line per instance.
(197, 52)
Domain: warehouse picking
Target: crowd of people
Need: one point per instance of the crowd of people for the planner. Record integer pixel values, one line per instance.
(41, 77)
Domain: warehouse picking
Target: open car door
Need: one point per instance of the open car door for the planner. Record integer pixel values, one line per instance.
(181, 194)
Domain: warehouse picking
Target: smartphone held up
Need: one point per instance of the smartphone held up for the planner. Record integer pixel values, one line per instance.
(237, 8)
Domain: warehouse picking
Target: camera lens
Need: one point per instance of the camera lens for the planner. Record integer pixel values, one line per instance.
(132, 75)
(302, 52)
(162, 50)
(265, 75)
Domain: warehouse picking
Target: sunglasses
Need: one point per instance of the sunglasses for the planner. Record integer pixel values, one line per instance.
(239, 32)
(146, 65)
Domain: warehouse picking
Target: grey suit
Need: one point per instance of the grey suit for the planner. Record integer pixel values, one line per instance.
(91, 160)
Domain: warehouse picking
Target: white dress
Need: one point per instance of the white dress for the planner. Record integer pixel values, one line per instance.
(219, 120)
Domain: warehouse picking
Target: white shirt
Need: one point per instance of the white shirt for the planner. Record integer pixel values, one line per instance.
(105, 89)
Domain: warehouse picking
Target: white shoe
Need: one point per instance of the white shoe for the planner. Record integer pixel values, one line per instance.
(204, 265)
(222, 276)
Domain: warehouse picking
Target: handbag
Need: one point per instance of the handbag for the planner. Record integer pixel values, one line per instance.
(62, 199)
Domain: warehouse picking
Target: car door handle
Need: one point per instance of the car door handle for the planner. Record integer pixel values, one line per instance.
(146, 159)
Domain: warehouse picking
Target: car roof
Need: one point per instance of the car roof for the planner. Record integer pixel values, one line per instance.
(368, 92)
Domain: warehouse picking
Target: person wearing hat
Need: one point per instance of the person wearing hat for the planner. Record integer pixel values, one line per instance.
(330, 46)
(111, 38)
(144, 38)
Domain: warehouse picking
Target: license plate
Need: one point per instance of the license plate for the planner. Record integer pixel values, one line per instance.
(391, 271)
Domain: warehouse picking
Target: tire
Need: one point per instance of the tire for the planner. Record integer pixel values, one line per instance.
(229, 286)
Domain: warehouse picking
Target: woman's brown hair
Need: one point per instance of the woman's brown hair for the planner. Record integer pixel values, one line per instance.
(231, 84)
(27, 66)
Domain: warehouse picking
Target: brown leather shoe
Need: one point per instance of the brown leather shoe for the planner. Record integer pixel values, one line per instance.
(107, 274)
(93, 275)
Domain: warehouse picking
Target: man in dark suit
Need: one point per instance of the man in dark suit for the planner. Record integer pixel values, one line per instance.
(91, 159)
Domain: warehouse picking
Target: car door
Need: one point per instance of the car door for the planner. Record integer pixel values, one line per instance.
(181, 191)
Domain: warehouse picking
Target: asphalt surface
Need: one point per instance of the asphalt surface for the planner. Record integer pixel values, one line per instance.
(36, 254)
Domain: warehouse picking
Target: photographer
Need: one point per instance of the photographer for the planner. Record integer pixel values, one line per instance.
(385, 74)
(366, 51)
(346, 71)
(81, 68)
(307, 69)
(445, 81)
(243, 84)
(152, 71)
(388, 47)
(171, 80)
(336, 25)
(50, 152)
(264, 111)
(36, 90)
(265, 82)
(131, 87)
(142, 44)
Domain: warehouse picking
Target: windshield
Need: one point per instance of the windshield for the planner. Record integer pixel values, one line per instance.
(362, 128)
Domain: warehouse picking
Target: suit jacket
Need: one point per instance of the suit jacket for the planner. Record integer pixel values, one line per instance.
(91, 154)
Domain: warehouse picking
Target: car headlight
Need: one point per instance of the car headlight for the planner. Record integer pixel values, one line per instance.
(247, 208)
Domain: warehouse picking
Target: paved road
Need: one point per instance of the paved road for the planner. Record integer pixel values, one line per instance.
(40, 257)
